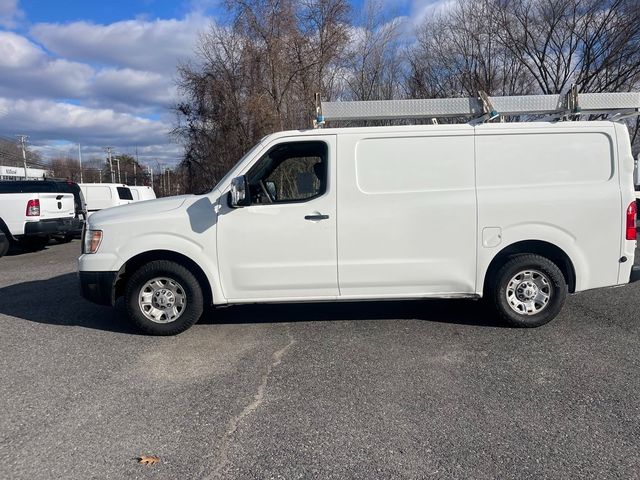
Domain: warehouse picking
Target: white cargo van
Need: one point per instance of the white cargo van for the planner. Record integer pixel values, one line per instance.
(140, 193)
(520, 213)
(99, 196)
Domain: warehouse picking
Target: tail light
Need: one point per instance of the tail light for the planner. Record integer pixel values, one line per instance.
(33, 208)
(632, 211)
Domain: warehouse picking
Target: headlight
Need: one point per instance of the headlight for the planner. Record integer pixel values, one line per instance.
(92, 240)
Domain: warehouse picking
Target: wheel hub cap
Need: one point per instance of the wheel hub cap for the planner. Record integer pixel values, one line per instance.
(162, 300)
(528, 292)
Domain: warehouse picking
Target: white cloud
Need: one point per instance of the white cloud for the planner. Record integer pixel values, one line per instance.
(422, 9)
(9, 13)
(28, 72)
(18, 52)
(134, 88)
(95, 84)
(138, 44)
(50, 120)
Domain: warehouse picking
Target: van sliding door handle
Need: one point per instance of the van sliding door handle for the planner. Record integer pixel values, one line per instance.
(316, 216)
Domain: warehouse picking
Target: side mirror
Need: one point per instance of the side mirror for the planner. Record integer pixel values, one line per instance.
(239, 193)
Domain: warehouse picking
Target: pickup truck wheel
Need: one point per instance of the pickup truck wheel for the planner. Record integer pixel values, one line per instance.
(529, 291)
(63, 238)
(163, 298)
(4, 245)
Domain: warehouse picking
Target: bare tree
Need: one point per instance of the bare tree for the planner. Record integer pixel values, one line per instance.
(374, 61)
(258, 72)
(458, 53)
(255, 76)
(66, 167)
(593, 43)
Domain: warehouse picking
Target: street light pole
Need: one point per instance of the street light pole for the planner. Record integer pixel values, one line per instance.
(80, 160)
(23, 140)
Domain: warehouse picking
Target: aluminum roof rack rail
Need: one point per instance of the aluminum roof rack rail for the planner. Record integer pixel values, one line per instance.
(483, 107)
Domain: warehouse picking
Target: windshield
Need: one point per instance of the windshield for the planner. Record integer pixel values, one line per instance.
(224, 179)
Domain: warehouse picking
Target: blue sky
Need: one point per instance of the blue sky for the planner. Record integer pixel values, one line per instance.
(115, 10)
(60, 11)
(103, 72)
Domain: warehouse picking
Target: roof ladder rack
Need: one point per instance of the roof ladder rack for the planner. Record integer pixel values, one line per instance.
(484, 108)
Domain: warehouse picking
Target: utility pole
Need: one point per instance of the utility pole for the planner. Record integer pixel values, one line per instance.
(109, 150)
(23, 141)
(168, 182)
(135, 179)
(119, 179)
(80, 160)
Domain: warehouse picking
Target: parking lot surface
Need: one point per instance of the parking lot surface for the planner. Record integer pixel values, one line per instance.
(430, 389)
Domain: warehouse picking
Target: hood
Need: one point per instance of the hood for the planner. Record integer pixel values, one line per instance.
(138, 210)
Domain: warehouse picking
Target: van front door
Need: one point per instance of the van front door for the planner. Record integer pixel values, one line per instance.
(283, 246)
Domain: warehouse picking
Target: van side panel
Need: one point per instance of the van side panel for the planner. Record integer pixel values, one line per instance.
(627, 193)
(406, 213)
(553, 183)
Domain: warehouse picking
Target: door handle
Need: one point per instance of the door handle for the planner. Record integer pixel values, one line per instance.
(316, 216)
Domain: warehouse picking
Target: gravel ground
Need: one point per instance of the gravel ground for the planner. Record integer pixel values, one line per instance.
(429, 389)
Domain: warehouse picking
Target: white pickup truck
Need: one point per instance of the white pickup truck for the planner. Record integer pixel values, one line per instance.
(30, 218)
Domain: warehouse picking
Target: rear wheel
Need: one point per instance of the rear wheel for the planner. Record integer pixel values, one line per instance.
(163, 298)
(529, 291)
(63, 238)
(4, 245)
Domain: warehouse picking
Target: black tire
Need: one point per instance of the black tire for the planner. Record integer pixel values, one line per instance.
(60, 239)
(555, 287)
(33, 244)
(189, 288)
(4, 245)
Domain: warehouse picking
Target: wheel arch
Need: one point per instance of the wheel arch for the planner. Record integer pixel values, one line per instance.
(5, 229)
(537, 247)
(140, 259)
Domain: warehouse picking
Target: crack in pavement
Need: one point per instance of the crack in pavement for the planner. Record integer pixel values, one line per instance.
(258, 399)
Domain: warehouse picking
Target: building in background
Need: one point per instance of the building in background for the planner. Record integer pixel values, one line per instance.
(17, 173)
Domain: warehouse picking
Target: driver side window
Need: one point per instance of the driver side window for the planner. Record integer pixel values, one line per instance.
(289, 172)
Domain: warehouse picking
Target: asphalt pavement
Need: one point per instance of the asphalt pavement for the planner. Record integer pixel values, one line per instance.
(421, 389)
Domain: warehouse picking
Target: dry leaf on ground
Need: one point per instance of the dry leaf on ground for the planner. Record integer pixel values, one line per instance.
(148, 459)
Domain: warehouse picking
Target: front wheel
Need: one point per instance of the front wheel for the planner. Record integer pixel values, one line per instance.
(163, 298)
(529, 291)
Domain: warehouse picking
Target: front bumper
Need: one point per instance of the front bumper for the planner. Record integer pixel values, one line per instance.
(98, 287)
(50, 227)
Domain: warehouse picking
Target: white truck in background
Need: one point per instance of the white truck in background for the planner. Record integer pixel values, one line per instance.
(99, 196)
(29, 219)
(141, 193)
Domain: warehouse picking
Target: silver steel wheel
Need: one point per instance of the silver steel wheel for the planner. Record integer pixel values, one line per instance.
(528, 292)
(162, 300)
